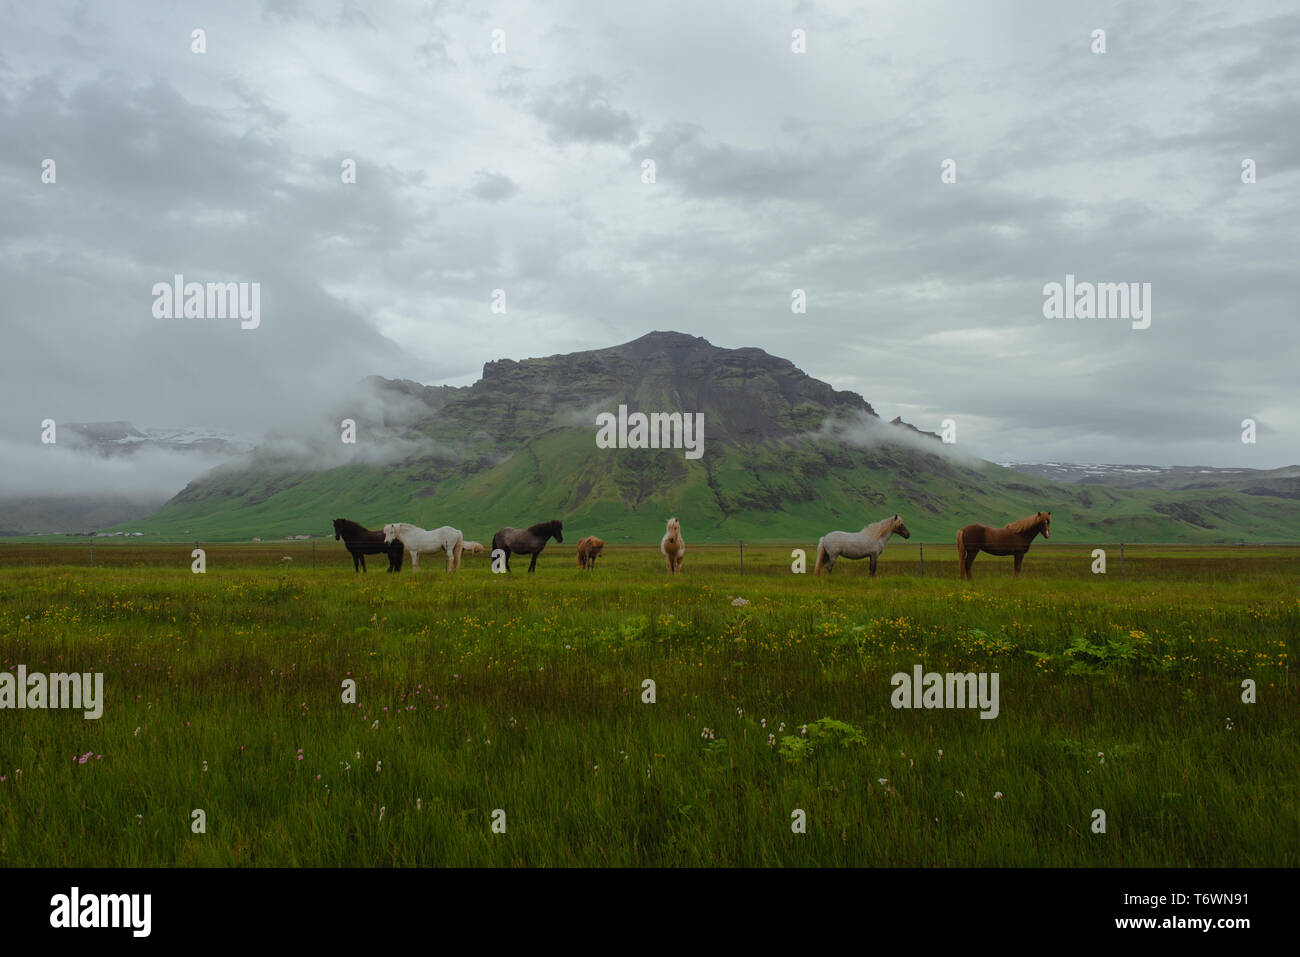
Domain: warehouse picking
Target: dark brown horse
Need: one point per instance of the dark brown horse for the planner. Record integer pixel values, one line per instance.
(1013, 539)
(361, 541)
(527, 541)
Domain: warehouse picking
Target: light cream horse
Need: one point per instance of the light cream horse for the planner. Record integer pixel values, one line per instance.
(673, 546)
(475, 548)
(868, 543)
(418, 540)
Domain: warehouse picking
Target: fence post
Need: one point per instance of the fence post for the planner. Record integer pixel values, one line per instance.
(92, 554)
(313, 556)
(922, 544)
(742, 556)
(1121, 561)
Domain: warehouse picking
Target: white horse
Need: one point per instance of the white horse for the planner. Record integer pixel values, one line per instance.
(868, 543)
(418, 540)
(673, 546)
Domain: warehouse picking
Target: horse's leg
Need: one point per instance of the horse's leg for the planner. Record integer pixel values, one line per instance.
(1020, 557)
(362, 556)
(415, 561)
(873, 559)
(355, 566)
(533, 563)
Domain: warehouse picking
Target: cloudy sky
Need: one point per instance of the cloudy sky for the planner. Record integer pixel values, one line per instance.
(522, 169)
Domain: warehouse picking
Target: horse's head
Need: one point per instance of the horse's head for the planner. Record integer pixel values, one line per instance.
(557, 527)
(390, 533)
(595, 546)
(900, 528)
(1045, 518)
(338, 533)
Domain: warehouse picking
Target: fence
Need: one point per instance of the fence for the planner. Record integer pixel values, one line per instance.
(925, 560)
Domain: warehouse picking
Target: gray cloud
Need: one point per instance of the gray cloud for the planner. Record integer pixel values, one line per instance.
(776, 171)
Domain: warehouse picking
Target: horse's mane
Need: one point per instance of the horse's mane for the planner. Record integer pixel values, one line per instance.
(349, 525)
(1026, 523)
(876, 529)
(543, 529)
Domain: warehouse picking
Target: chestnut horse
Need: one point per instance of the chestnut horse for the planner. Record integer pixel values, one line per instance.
(673, 546)
(361, 541)
(529, 541)
(589, 549)
(1013, 539)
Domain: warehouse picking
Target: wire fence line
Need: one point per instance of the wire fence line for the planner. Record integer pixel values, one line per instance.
(913, 558)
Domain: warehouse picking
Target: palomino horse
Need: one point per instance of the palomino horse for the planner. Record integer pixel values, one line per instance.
(418, 540)
(673, 546)
(527, 541)
(361, 541)
(474, 548)
(1012, 539)
(868, 543)
(589, 549)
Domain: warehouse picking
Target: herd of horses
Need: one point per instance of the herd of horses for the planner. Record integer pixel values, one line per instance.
(395, 538)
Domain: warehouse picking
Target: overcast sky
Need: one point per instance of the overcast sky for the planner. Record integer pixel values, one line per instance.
(774, 170)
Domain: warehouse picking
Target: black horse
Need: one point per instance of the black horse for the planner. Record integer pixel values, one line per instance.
(361, 541)
(528, 541)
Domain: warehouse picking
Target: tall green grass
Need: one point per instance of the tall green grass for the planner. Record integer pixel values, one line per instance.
(524, 693)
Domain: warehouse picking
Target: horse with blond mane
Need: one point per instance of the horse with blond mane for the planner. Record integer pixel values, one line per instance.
(418, 540)
(868, 543)
(673, 546)
(1012, 539)
(589, 549)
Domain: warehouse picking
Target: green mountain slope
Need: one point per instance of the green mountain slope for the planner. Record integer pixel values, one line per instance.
(786, 458)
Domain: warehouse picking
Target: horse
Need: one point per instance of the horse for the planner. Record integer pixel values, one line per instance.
(527, 541)
(474, 548)
(589, 549)
(1012, 539)
(418, 540)
(673, 546)
(361, 541)
(868, 543)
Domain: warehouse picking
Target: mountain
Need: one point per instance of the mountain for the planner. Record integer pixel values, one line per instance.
(99, 450)
(786, 457)
(123, 438)
(1280, 483)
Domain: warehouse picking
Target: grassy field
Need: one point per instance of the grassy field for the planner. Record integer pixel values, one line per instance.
(478, 692)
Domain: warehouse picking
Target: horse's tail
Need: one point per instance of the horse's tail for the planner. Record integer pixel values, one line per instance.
(961, 553)
(458, 550)
(821, 555)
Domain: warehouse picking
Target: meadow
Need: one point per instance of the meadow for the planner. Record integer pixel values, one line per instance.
(524, 694)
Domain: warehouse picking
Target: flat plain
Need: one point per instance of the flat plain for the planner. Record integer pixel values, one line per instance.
(503, 719)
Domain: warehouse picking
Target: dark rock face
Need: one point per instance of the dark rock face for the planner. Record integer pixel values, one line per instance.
(746, 395)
